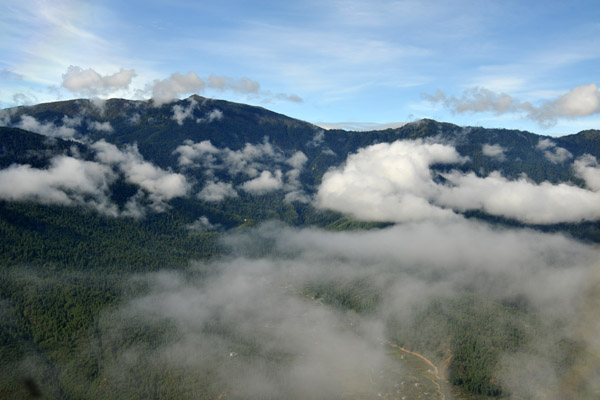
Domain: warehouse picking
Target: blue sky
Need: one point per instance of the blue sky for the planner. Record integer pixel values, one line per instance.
(526, 65)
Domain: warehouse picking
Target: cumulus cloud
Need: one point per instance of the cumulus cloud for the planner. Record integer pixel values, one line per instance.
(552, 152)
(217, 191)
(264, 183)
(387, 181)
(395, 182)
(65, 130)
(161, 185)
(68, 181)
(494, 151)
(580, 101)
(90, 82)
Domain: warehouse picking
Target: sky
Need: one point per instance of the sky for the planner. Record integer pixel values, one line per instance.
(354, 64)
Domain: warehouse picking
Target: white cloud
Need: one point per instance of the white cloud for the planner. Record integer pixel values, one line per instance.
(66, 130)
(387, 181)
(360, 126)
(101, 126)
(588, 169)
(409, 266)
(297, 160)
(552, 152)
(217, 191)
(264, 183)
(578, 102)
(166, 90)
(190, 152)
(160, 184)
(318, 139)
(243, 85)
(212, 115)
(522, 200)
(90, 82)
(494, 151)
(68, 181)
(394, 182)
(181, 113)
(202, 224)
(478, 99)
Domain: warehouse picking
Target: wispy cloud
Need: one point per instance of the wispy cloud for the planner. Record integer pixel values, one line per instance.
(580, 101)
(166, 90)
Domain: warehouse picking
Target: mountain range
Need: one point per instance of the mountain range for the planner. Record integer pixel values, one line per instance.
(93, 192)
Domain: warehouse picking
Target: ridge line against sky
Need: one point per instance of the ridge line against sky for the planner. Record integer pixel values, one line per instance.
(495, 64)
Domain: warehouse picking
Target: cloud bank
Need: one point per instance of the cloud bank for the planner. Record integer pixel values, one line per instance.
(396, 182)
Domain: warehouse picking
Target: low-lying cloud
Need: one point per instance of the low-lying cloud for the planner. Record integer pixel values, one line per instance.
(67, 181)
(396, 182)
(256, 326)
(580, 101)
(160, 184)
(268, 169)
(494, 151)
(552, 152)
(181, 113)
(66, 129)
